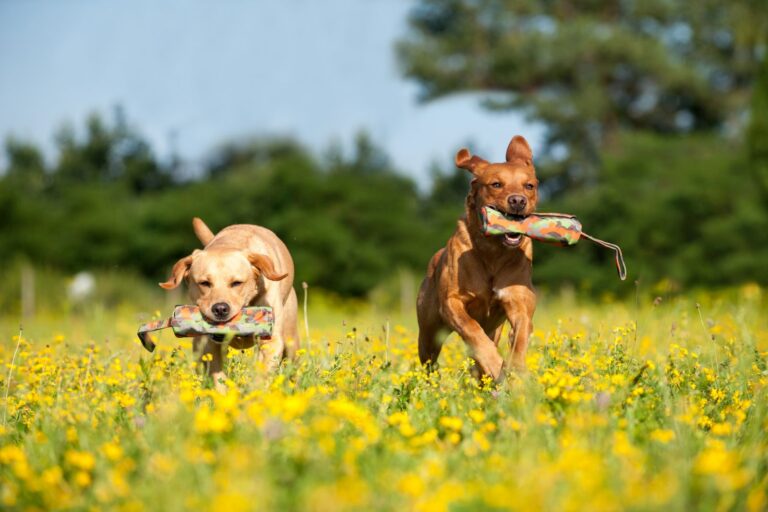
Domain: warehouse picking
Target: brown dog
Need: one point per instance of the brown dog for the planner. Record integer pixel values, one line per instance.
(476, 282)
(243, 265)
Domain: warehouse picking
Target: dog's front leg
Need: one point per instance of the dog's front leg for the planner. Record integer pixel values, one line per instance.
(210, 356)
(271, 350)
(519, 303)
(483, 349)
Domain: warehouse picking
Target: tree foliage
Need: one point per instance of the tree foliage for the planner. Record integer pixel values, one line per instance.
(757, 136)
(589, 70)
(107, 202)
(684, 208)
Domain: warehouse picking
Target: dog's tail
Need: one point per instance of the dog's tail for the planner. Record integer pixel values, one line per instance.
(202, 232)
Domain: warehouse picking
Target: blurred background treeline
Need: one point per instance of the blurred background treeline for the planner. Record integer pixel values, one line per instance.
(656, 137)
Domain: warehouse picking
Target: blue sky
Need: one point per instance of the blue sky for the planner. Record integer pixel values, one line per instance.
(211, 71)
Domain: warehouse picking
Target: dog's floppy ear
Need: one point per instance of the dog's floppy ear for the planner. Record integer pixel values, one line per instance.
(203, 232)
(179, 272)
(264, 265)
(470, 162)
(519, 150)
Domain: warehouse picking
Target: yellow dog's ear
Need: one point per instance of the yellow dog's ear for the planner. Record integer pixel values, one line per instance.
(519, 150)
(179, 272)
(470, 162)
(264, 265)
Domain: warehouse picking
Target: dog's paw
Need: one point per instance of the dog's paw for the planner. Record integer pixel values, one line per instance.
(491, 363)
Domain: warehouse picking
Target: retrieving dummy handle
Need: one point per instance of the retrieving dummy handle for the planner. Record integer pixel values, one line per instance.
(189, 321)
(553, 228)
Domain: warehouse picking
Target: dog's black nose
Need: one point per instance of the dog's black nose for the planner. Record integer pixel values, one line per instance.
(220, 310)
(517, 202)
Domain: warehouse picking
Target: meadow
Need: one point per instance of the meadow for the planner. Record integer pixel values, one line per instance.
(644, 404)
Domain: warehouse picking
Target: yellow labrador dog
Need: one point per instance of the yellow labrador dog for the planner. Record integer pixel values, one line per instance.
(243, 265)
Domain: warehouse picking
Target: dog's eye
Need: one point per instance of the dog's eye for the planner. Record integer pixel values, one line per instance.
(529, 186)
(496, 184)
(235, 284)
(204, 284)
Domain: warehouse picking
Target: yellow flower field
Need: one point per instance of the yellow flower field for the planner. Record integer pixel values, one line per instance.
(626, 406)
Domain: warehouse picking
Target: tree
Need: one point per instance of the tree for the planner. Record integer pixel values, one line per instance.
(588, 69)
(26, 166)
(236, 154)
(757, 136)
(108, 154)
(681, 207)
(23, 221)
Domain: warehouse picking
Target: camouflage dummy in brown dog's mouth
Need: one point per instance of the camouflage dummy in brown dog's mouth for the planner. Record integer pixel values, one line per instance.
(552, 228)
(189, 321)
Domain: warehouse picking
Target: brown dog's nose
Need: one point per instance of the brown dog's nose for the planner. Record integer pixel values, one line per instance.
(517, 202)
(220, 310)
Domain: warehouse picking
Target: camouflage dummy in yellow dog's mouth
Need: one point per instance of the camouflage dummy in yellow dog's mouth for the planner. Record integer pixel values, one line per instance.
(189, 321)
(552, 228)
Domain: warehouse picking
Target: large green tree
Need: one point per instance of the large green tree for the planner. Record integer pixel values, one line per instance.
(350, 221)
(757, 136)
(109, 153)
(590, 69)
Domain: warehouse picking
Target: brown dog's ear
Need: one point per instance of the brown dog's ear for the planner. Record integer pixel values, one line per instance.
(264, 265)
(178, 273)
(466, 160)
(202, 232)
(519, 150)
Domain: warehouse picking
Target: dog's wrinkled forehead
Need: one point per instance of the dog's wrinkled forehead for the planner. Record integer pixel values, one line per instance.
(509, 172)
(223, 264)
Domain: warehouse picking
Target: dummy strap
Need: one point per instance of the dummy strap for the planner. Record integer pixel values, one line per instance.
(621, 267)
(145, 329)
